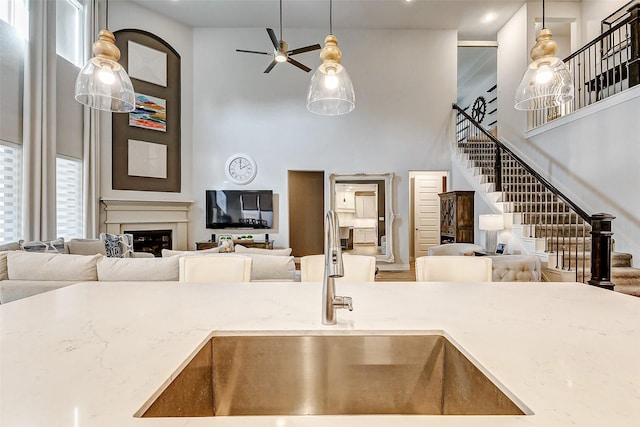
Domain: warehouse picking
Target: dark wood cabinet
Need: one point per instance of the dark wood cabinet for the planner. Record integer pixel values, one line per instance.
(262, 244)
(456, 217)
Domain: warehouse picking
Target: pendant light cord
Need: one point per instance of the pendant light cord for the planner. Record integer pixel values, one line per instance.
(543, 26)
(330, 16)
(107, 15)
(280, 19)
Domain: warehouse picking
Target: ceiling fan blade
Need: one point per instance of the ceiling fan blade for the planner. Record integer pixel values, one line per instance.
(270, 67)
(274, 39)
(253, 51)
(299, 65)
(304, 49)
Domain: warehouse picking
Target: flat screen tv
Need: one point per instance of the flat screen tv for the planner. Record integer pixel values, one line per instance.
(239, 209)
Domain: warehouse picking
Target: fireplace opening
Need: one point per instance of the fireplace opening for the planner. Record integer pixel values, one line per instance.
(153, 241)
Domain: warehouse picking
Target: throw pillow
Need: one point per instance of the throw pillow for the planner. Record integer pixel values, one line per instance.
(244, 250)
(54, 246)
(117, 245)
(169, 252)
(86, 247)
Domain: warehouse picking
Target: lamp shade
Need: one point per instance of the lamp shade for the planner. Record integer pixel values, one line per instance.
(491, 222)
(331, 91)
(547, 82)
(103, 83)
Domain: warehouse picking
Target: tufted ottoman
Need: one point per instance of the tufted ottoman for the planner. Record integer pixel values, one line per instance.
(516, 268)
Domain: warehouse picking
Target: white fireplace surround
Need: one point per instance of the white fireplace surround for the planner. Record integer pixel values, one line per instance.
(121, 216)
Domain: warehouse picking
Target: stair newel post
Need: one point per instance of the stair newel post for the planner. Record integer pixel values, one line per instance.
(634, 60)
(601, 250)
(498, 168)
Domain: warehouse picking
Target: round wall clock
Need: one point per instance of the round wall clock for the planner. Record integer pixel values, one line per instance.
(241, 168)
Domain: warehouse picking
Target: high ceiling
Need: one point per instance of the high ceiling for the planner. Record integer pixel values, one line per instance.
(466, 16)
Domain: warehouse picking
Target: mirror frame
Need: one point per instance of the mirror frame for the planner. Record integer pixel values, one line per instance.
(389, 216)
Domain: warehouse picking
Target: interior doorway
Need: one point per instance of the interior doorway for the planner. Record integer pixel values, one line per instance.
(306, 212)
(425, 210)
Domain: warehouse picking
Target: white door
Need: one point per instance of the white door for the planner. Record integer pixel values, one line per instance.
(426, 209)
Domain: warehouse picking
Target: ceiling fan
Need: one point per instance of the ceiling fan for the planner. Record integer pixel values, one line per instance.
(280, 50)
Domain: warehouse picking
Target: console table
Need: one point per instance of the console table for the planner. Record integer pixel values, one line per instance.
(263, 244)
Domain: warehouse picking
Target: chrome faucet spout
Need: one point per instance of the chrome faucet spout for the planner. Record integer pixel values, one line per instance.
(333, 267)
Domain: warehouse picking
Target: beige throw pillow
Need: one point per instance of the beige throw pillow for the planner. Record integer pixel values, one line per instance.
(244, 250)
(3, 266)
(169, 252)
(86, 247)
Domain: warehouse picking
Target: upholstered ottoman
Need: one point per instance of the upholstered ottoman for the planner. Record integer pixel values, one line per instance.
(516, 268)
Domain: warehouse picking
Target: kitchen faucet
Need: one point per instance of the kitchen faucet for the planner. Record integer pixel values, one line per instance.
(333, 267)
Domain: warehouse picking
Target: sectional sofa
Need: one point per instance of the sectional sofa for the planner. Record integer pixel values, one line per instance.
(23, 274)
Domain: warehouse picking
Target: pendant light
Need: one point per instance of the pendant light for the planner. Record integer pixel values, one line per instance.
(331, 91)
(547, 82)
(103, 83)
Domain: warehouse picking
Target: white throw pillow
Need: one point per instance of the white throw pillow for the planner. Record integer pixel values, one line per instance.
(269, 267)
(170, 252)
(137, 269)
(244, 250)
(49, 266)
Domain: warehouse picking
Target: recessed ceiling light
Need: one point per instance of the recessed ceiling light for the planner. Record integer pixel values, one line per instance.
(489, 17)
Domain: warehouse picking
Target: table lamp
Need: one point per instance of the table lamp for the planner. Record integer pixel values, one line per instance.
(491, 223)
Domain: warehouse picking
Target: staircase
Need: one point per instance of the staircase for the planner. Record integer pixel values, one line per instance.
(545, 222)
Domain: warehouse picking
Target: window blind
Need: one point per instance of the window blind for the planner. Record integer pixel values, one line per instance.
(10, 191)
(69, 219)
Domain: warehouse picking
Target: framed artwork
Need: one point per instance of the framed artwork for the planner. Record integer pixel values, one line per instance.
(147, 64)
(146, 152)
(150, 113)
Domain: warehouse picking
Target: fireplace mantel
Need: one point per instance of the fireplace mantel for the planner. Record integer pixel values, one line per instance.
(121, 216)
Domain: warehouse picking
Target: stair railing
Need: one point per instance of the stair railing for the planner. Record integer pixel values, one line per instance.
(606, 66)
(543, 210)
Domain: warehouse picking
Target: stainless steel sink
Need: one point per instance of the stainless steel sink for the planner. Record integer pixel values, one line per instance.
(330, 375)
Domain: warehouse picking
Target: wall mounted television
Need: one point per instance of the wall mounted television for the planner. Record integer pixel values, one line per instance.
(239, 209)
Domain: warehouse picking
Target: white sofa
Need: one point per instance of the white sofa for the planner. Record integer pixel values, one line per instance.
(23, 274)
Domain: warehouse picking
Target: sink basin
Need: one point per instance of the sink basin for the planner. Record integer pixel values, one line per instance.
(329, 375)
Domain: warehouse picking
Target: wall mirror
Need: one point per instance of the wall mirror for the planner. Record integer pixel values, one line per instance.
(363, 203)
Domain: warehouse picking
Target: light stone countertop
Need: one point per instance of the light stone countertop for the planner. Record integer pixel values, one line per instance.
(91, 355)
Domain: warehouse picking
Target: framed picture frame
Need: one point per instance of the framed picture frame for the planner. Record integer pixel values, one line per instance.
(501, 248)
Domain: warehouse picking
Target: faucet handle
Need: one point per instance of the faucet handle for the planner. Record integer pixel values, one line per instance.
(343, 302)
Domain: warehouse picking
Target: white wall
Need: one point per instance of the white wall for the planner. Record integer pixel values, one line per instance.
(594, 160)
(405, 83)
(593, 12)
(513, 58)
(11, 77)
(126, 15)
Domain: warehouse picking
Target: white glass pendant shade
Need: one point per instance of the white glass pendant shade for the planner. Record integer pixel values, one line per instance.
(331, 91)
(103, 83)
(547, 82)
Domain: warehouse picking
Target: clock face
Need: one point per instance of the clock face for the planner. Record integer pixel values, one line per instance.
(241, 169)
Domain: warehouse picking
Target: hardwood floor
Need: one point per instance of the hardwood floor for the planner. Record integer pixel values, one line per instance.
(397, 276)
